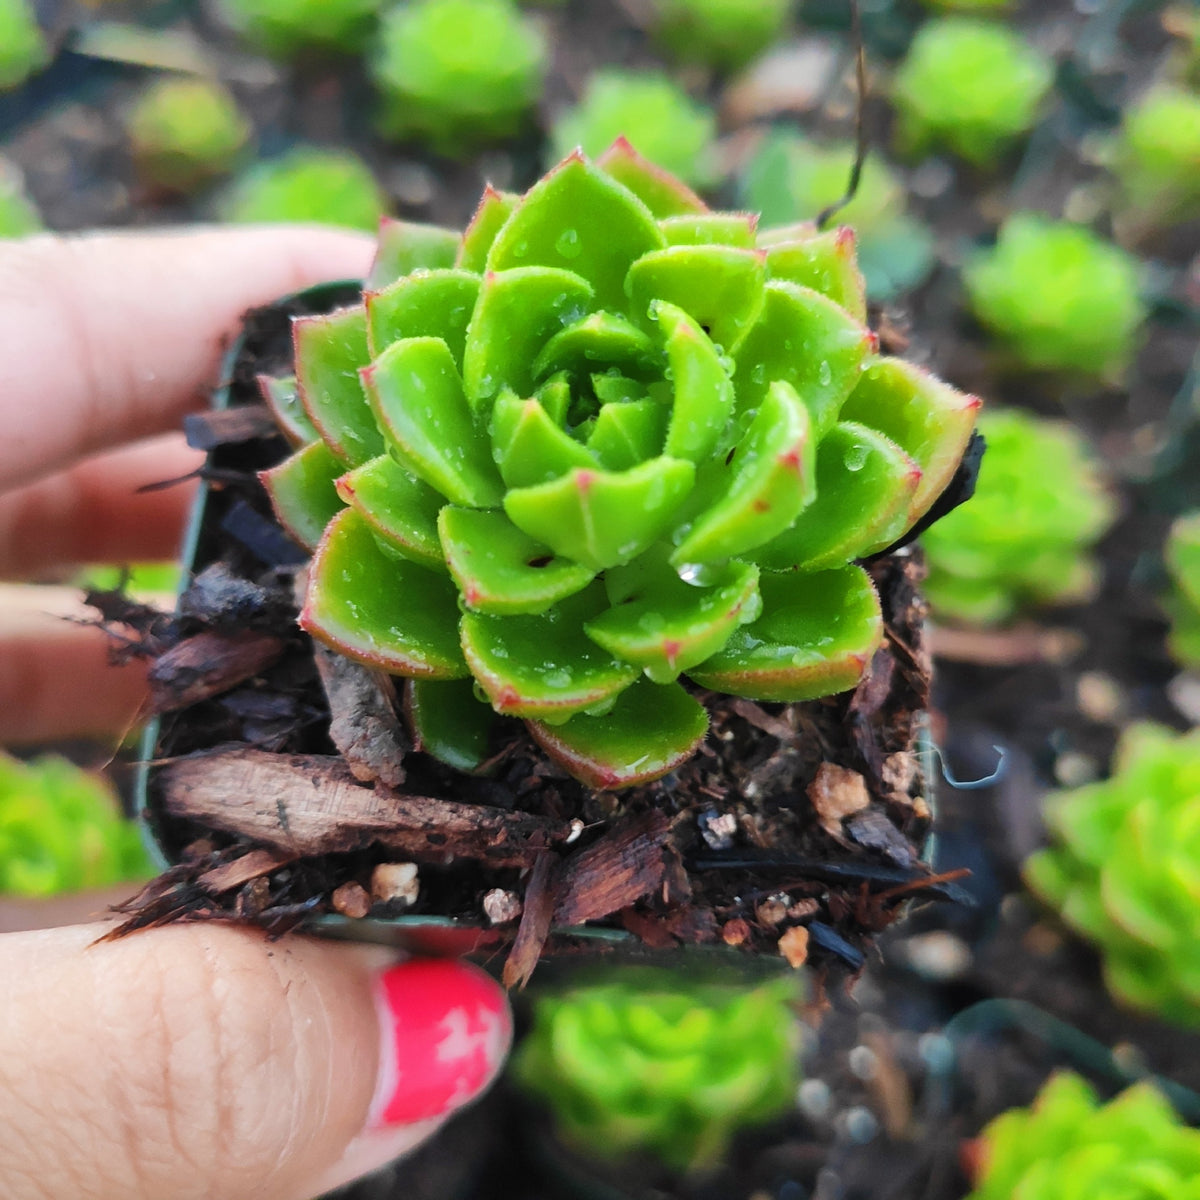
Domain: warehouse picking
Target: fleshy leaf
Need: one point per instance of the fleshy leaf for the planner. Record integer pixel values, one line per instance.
(658, 190)
(529, 447)
(650, 731)
(544, 666)
(825, 262)
(382, 611)
(611, 387)
(428, 304)
(579, 218)
(670, 625)
(399, 508)
(330, 351)
(864, 483)
(770, 479)
(406, 246)
(627, 433)
(720, 286)
(282, 397)
(707, 229)
(302, 492)
(603, 518)
(555, 397)
(448, 721)
(816, 636)
(517, 313)
(417, 395)
(928, 419)
(494, 209)
(500, 569)
(599, 339)
(703, 389)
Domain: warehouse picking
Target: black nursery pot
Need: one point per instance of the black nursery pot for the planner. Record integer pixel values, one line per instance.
(716, 880)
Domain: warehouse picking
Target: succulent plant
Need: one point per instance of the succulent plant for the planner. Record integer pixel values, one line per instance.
(1127, 867)
(1157, 157)
(331, 187)
(793, 179)
(138, 579)
(61, 831)
(185, 132)
(603, 438)
(972, 6)
(284, 27)
(1069, 1144)
(654, 113)
(23, 48)
(725, 34)
(1026, 536)
(18, 216)
(1183, 603)
(971, 86)
(457, 73)
(1059, 296)
(663, 1068)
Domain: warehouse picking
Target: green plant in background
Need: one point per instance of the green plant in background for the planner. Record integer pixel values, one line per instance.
(793, 179)
(970, 86)
(972, 6)
(724, 34)
(1069, 1144)
(61, 831)
(603, 438)
(23, 48)
(1027, 535)
(1126, 870)
(284, 27)
(18, 214)
(332, 187)
(1058, 296)
(138, 579)
(457, 73)
(185, 132)
(1157, 157)
(1182, 556)
(666, 1068)
(654, 113)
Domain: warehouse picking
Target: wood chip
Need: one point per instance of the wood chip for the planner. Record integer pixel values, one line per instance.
(208, 664)
(541, 896)
(230, 875)
(837, 792)
(1004, 647)
(351, 900)
(395, 883)
(226, 426)
(794, 946)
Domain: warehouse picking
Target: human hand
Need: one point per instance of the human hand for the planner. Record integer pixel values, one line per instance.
(194, 1061)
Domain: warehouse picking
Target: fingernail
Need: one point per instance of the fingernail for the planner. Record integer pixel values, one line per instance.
(445, 1029)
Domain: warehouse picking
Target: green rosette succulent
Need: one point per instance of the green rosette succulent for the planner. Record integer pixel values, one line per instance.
(970, 86)
(23, 48)
(724, 34)
(654, 112)
(1026, 536)
(1183, 602)
(665, 1070)
(1068, 1144)
(285, 27)
(457, 73)
(61, 831)
(1059, 297)
(1157, 157)
(1126, 870)
(605, 438)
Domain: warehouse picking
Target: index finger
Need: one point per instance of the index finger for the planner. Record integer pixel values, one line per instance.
(113, 337)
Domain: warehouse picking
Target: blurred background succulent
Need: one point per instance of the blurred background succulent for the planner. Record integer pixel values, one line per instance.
(724, 34)
(457, 73)
(1026, 536)
(968, 86)
(286, 27)
(1125, 870)
(663, 1068)
(1183, 602)
(1069, 1144)
(23, 46)
(605, 438)
(1059, 297)
(18, 214)
(971, 6)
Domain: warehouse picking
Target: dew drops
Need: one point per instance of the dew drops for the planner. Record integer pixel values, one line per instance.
(855, 457)
(825, 373)
(567, 243)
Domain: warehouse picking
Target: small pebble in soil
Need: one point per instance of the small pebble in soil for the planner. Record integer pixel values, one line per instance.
(933, 177)
(735, 932)
(395, 883)
(936, 956)
(576, 830)
(351, 900)
(1130, 1059)
(793, 945)
(814, 1099)
(1184, 693)
(411, 183)
(937, 1052)
(1100, 697)
(1041, 940)
(717, 828)
(501, 906)
(1074, 769)
(862, 1062)
(773, 909)
(859, 1124)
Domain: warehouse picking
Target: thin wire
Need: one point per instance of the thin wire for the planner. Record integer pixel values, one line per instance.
(860, 124)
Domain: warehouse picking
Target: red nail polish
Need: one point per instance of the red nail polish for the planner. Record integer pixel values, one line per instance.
(445, 1029)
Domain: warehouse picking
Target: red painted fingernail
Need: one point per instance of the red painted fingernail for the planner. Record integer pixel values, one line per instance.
(445, 1031)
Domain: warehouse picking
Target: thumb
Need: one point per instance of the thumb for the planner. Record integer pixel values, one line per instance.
(203, 1060)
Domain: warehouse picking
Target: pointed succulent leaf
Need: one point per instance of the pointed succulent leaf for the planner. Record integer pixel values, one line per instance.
(928, 419)
(627, 433)
(400, 509)
(816, 636)
(703, 398)
(864, 483)
(330, 351)
(302, 492)
(406, 246)
(380, 610)
(721, 287)
(494, 209)
(670, 625)
(825, 262)
(809, 341)
(500, 569)
(707, 229)
(529, 447)
(282, 397)
(651, 730)
(603, 518)
(579, 218)
(599, 339)
(417, 396)
(768, 479)
(425, 304)
(611, 387)
(555, 397)
(659, 191)
(448, 721)
(517, 312)
(544, 666)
